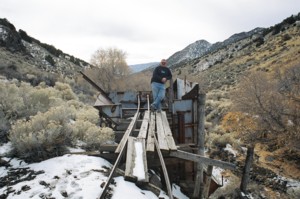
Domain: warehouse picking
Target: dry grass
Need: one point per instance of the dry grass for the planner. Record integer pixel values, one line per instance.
(276, 161)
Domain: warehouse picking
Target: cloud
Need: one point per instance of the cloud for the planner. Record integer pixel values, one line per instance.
(146, 30)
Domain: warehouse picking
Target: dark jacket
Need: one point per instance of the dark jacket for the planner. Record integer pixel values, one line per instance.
(161, 72)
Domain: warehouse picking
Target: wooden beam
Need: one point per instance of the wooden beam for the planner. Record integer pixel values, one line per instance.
(246, 170)
(168, 133)
(198, 191)
(144, 126)
(198, 158)
(103, 193)
(163, 144)
(130, 160)
(127, 133)
(150, 139)
(164, 168)
(92, 82)
(207, 181)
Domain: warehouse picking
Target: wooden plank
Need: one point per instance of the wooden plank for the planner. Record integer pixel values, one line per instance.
(150, 140)
(142, 156)
(136, 162)
(168, 133)
(144, 126)
(103, 193)
(130, 160)
(198, 158)
(164, 168)
(163, 144)
(127, 133)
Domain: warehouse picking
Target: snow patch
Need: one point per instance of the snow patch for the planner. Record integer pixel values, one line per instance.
(139, 168)
(230, 150)
(5, 149)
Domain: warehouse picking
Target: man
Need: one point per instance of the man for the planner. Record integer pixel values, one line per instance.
(161, 75)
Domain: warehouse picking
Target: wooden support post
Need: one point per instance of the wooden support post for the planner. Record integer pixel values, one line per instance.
(164, 168)
(246, 171)
(171, 96)
(198, 191)
(207, 181)
(181, 127)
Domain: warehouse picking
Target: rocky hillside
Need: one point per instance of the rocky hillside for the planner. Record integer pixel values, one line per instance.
(260, 49)
(192, 51)
(219, 70)
(26, 58)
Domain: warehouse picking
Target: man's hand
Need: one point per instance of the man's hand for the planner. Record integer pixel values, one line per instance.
(164, 80)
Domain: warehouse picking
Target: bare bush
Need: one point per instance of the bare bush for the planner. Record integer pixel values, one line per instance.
(273, 100)
(111, 65)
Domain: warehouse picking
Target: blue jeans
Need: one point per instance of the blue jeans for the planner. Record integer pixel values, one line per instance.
(158, 92)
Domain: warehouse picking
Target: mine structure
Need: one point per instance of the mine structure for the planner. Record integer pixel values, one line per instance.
(170, 142)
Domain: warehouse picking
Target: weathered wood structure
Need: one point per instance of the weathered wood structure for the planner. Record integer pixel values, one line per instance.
(169, 141)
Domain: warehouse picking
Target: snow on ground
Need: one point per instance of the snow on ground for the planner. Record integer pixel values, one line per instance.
(5, 148)
(72, 176)
(230, 149)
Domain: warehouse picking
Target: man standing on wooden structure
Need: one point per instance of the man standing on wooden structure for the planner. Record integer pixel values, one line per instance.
(161, 75)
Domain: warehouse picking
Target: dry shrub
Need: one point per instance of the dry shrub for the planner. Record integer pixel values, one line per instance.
(45, 135)
(88, 113)
(65, 91)
(47, 119)
(94, 137)
(48, 134)
(10, 101)
(241, 123)
(221, 140)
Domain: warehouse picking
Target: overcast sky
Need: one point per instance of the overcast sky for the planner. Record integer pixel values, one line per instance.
(147, 30)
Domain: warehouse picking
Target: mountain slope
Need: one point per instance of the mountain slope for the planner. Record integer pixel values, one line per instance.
(25, 58)
(140, 67)
(192, 51)
(259, 49)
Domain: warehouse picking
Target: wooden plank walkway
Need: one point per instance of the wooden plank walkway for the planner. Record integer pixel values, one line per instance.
(153, 136)
(136, 169)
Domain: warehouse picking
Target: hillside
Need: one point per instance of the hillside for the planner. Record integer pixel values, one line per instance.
(220, 71)
(26, 58)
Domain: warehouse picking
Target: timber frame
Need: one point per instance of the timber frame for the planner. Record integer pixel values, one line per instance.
(172, 140)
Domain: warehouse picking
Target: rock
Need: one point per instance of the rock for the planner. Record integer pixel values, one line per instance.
(293, 190)
(64, 193)
(25, 188)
